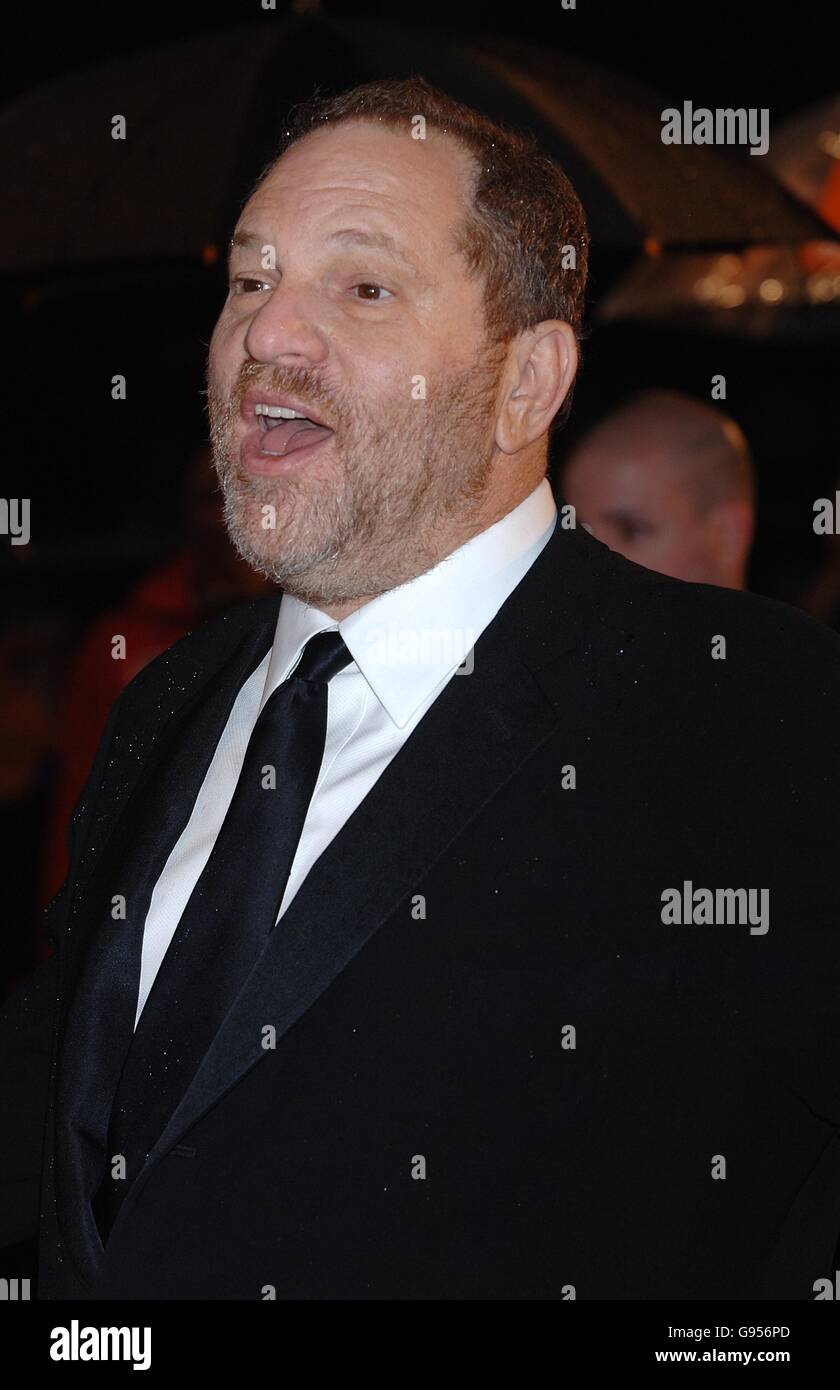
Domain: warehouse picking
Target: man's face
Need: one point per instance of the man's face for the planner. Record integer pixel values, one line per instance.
(369, 323)
(635, 505)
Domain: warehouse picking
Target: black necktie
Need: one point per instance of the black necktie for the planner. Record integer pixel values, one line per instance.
(228, 918)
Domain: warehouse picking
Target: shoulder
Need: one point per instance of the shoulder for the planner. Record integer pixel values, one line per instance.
(710, 633)
(195, 657)
(663, 660)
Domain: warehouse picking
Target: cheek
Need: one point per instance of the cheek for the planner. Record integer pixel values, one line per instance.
(668, 544)
(215, 359)
(645, 551)
(378, 384)
(226, 351)
(683, 536)
(649, 548)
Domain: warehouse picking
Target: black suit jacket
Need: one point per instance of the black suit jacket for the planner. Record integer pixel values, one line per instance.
(497, 1072)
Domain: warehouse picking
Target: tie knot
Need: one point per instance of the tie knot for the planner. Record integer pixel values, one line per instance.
(324, 655)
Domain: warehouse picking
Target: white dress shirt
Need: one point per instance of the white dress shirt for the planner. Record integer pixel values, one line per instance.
(406, 646)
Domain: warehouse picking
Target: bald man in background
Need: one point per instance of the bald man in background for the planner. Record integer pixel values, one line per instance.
(667, 481)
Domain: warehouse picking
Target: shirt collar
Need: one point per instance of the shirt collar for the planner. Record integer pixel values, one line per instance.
(408, 641)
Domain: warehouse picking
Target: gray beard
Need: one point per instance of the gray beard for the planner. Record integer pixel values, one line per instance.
(396, 502)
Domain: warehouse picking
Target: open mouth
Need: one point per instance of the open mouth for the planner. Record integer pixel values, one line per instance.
(283, 431)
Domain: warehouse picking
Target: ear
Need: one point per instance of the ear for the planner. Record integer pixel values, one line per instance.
(541, 368)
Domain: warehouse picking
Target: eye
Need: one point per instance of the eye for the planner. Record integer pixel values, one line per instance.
(377, 289)
(634, 530)
(245, 284)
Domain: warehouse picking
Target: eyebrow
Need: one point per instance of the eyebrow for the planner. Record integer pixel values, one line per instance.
(376, 241)
(345, 236)
(242, 238)
(623, 516)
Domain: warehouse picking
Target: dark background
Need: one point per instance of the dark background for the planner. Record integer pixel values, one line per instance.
(715, 53)
(711, 53)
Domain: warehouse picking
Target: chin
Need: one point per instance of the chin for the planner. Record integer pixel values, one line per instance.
(275, 561)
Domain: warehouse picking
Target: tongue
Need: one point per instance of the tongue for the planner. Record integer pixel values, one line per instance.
(290, 435)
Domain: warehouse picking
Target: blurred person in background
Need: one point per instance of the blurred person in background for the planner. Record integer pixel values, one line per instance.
(667, 481)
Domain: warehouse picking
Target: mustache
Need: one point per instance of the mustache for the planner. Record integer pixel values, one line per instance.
(294, 381)
(223, 405)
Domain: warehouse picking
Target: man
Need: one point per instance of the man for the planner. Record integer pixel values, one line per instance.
(370, 978)
(668, 482)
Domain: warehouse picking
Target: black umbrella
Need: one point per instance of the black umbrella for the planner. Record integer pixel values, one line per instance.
(790, 292)
(760, 292)
(203, 117)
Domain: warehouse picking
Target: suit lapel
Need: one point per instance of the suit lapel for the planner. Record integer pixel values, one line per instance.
(198, 694)
(102, 969)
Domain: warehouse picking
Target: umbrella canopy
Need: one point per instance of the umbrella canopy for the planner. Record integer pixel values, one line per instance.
(783, 292)
(778, 291)
(203, 117)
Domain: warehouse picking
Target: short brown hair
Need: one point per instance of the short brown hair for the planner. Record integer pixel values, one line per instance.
(524, 214)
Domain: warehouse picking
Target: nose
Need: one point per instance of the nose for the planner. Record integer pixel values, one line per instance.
(282, 331)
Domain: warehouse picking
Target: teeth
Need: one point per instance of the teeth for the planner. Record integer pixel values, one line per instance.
(279, 412)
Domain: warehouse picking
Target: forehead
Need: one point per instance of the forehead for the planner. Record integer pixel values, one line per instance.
(418, 190)
(632, 474)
